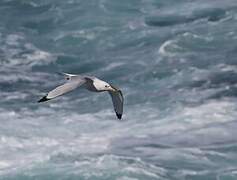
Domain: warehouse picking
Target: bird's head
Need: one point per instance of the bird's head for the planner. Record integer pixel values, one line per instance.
(103, 86)
(108, 87)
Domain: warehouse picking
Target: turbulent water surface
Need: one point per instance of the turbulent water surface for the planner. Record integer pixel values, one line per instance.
(175, 62)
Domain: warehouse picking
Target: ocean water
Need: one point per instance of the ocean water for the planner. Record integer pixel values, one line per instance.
(175, 61)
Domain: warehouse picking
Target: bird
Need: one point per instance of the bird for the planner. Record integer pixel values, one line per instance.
(91, 83)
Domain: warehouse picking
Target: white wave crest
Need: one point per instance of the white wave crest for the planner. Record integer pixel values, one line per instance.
(16, 51)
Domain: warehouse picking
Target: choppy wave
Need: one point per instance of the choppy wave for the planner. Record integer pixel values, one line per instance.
(174, 61)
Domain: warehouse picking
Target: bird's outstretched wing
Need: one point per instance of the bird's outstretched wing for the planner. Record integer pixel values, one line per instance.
(73, 82)
(117, 98)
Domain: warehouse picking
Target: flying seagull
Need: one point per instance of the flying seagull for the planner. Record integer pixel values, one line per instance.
(91, 83)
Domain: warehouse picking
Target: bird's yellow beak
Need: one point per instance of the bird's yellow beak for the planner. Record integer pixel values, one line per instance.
(113, 88)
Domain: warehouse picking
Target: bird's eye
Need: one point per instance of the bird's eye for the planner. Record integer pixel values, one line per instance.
(106, 86)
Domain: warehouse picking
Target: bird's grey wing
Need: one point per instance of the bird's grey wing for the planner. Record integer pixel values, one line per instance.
(65, 88)
(117, 98)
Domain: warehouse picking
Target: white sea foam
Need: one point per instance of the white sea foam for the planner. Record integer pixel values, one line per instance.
(131, 167)
(176, 47)
(163, 48)
(13, 47)
(4, 164)
(35, 146)
(112, 66)
(14, 39)
(13, 76)
(226, 67)
(13, 95)
(126, 178)
(85, 34)
(198, 37)
(211, 112)
(199, 125)
(141, 171)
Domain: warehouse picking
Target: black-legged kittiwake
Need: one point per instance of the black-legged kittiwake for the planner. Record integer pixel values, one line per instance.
(91, 83)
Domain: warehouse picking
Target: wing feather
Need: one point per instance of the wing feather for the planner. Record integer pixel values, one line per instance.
(70, 85)
(63, 89)
(117, 99)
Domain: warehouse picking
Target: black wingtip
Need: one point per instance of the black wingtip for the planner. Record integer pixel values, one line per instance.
(119, 116)
(43, 99)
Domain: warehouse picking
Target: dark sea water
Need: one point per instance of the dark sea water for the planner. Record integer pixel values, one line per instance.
(175, 61)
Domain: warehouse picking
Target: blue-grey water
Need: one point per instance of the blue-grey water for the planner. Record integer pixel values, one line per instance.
(175, 61)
